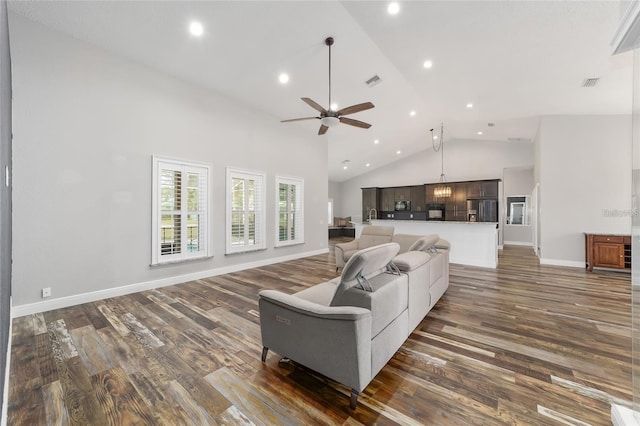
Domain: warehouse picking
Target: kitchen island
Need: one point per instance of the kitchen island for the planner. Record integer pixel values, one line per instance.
(472, 243)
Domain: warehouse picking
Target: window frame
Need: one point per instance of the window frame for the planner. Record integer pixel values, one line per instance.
(299, 213)
(184, 166)
(259, 203)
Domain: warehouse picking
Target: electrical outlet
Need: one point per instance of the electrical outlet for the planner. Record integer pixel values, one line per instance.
(46, 292)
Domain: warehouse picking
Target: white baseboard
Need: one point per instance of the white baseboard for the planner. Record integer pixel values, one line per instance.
(63, 302)
(623, 416)
(559, 262)
(518, 243)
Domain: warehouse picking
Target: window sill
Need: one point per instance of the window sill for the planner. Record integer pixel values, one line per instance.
(176, 262)
(294, 243)
(245, 251)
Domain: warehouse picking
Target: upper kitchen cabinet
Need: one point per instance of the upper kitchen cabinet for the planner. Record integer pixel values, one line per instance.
(388, 199)
(418, 203)
(482, 189)
(370, 199)
(402, 193)
(431, 198)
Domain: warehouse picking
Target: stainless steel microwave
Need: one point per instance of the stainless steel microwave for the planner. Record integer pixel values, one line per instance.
(402, 206)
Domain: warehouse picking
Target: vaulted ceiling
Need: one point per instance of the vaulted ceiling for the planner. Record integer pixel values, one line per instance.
(513, 60)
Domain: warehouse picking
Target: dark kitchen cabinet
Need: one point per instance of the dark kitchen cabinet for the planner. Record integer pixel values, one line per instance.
(430, 196)
(370, 199)
(402, 193)
(418, 203)
(482, 189)
(456, 204)
(388, 198)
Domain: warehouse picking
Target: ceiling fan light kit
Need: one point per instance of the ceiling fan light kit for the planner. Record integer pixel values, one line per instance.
(329, 118)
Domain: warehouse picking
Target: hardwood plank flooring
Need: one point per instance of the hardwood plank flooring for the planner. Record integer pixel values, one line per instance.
(523, 344)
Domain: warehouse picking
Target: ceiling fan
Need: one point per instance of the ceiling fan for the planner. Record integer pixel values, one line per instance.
(329, 118)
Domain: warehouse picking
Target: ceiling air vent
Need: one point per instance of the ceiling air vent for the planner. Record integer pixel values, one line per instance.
(490, 124)
(373, 81)
(590, 82)
(518, 140)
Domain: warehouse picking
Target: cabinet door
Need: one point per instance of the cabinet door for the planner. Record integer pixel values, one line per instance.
(388, 199)
(429, 197)
(608, 255)
(474, 190)
(490, 189)
(369, 202)
(418, 198)
(401, 194)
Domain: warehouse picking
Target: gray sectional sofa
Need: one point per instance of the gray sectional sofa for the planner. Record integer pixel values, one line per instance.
(348, 328)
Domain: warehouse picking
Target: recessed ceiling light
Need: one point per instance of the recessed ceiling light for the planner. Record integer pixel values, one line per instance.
(412, 113)
(344, 167)
(479, 133)
(469, 105)
(376, 142)
(398, 152)
(427, 64)
(334, 107)
(435, 136)
(367, 165)
(196, 29)
(393, 8)
(283, 78)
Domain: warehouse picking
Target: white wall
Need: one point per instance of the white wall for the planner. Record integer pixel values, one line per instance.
(517, 181)
(86, 124)
(585, 168)
(463, 160)
(335, 193)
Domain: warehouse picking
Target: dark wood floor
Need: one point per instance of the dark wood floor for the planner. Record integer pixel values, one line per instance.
(522, 344)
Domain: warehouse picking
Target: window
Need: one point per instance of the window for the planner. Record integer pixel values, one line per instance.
(289, 211)
(180, 211)
(245, 211)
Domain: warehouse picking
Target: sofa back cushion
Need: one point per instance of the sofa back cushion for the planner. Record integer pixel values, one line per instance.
(365, 263)
(375, 235)
(405, 241)
(425, 243)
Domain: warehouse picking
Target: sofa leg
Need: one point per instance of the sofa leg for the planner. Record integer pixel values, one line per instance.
(264, 353)
(354, 399)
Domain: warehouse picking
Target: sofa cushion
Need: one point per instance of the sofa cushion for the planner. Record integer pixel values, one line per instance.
(342, 221)
(320, 293)
(375, 235)
(425, 243)
(405, 241)
(411, 260)
(365, 263)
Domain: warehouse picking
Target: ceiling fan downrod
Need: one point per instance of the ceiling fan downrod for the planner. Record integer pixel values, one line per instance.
(329, 42)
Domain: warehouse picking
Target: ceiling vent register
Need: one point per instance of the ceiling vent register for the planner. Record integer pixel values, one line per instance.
(590, 82)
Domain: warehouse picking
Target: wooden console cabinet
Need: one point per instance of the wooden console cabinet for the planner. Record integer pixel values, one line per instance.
(607, 251)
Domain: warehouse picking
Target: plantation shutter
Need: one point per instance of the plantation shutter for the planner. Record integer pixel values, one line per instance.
(180, 213)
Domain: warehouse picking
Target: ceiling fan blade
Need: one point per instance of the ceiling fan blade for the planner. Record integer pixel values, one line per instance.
(352, 122)
(300, 119)
(313, 104)
(323, 130)
(355, 108)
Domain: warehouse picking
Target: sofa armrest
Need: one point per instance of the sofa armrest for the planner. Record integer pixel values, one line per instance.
(334, 341)
(341, 248)
(443, 245)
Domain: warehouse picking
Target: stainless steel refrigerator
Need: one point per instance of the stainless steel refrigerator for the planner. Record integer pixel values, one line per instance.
(487, 210)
